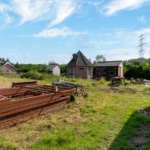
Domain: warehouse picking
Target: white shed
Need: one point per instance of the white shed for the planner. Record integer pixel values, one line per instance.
(53, 69)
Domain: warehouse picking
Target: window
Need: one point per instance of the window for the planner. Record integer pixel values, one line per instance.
(111, 73)
(7, 70)
(81, 68)
(71, 72)
(99, 72)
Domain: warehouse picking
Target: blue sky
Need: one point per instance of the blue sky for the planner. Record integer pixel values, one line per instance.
(40, 31)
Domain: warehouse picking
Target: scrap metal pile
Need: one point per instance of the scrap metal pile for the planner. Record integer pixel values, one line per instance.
(25, 100)
(79, 88)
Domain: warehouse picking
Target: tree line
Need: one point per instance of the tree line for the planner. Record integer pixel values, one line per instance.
(137, 68)
(133, 68)
(4, 60)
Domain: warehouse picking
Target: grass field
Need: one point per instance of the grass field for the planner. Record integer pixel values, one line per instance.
(106, 120)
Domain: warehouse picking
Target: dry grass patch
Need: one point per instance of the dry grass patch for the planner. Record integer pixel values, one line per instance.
(6, 82)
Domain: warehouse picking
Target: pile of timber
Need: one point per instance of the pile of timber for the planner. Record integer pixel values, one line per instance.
(26, 100)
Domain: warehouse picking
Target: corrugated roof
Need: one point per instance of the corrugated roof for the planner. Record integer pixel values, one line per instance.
(109, 63)
(80, 60)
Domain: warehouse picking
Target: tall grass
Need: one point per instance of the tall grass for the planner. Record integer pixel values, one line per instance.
(104, 120)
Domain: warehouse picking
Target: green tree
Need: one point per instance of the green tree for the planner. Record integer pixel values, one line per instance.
(63, 68)
(100, 58)
(52, 62)
(2, 60)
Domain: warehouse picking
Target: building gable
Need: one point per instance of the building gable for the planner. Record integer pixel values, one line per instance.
(7, 68)
(53, 69)
(79, 60)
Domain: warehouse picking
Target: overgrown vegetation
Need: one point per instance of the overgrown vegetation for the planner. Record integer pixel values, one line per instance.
(135, 68)
(4, 60)
(36, 71)
(106, 119)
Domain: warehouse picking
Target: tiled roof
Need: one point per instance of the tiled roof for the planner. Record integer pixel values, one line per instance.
(79, 60)
(109, 63)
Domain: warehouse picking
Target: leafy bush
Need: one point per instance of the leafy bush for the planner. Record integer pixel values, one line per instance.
(33, 75)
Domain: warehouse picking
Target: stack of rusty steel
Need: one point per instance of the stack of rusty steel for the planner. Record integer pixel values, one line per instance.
(79, 88)
(25, 100)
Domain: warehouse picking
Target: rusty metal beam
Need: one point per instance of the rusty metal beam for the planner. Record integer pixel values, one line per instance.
(26, 100)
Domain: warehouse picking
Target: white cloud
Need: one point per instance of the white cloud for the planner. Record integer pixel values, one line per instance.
(117, 5)
(4, 7)
(55, 32)
(30, 10)
(142, 19)
(64, 10)
(96, 3)
(5, 18)
(42, 9)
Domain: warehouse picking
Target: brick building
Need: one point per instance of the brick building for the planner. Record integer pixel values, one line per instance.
(108, 69)
(7, 67)
(79, 67)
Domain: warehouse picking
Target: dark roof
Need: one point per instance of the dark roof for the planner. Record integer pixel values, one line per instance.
(108, 63)
(2, 63)
(51, 66)
(79, 60)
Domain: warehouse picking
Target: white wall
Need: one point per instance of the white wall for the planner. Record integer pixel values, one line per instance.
(56, 71)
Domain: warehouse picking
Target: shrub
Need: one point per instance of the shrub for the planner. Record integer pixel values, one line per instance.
(33, 75)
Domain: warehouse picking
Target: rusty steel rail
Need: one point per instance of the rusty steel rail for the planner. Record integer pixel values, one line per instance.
(15, 84)
(65, 84)
(25, 101)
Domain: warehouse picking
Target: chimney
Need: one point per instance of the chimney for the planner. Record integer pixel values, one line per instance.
(74, 56)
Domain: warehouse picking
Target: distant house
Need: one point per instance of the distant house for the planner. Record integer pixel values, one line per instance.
(108, 69)
(53, 69)
(79, 67)
(7, 67)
